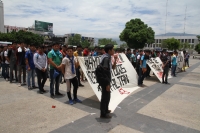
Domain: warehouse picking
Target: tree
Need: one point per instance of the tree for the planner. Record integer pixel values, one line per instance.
(22, 36)
(85, 43)
(184, 46)
(105, 41)
(198, 36)
(123, 46)
(197, 48)
(136, 34)
(171, 43)
(74, 40)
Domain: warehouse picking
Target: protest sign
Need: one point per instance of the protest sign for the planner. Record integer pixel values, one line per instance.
(124, 78)
(156, 66)
(180, 61)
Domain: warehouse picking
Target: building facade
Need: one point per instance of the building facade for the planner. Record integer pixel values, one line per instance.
(8, 28)
(192, 40)
(89, 39)
(1, 17)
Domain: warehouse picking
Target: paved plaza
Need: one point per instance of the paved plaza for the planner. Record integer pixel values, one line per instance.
(155, 108)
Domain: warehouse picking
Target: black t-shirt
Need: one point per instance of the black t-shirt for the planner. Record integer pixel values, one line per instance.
(164, 59)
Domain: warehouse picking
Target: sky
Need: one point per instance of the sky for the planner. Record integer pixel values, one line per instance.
(104, 18)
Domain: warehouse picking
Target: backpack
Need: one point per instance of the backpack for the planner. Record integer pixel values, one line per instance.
(100, 73)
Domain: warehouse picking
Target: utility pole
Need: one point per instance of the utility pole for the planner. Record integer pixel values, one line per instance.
(185, 19)
(166, 17)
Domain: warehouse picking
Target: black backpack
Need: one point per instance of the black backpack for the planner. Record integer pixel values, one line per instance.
(102, 74)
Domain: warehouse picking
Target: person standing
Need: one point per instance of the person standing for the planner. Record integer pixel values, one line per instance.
(187, 56)
(40, 62)
(86, 52)
(105, 81)
(30, 67)
(174, 63)
(77, 53)
(138, 61)
(143, 68)
(21, 63)
(133, 58)
(128, 54)
(69, 65)
(64, 53)
(55, 59)
(165, 66)
(6, 76)
(12, 57)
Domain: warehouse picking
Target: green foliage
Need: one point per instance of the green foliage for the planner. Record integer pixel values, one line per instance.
(85, 43)
(197, 48)
(123, 46)
(198, 36)
(74, 40)
(184, 46)
(105, 41)
(171, 43)
(22, 36)
(136, 34)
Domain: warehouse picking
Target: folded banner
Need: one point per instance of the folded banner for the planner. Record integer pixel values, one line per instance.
(180, 61)
(156, 66)
(124, 78)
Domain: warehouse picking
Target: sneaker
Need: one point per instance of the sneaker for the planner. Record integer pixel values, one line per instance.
(71, 102)
(34, 87)
(81, 85)
(59, 94)
(109, 111)
(105, 116)
(41, 92)
(77, 100)
(29, 88)
(52, 96)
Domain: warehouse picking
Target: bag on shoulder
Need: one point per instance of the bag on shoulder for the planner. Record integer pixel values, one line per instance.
(100, 72)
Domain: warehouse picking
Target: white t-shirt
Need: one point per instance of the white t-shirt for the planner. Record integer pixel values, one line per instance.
(68, 68)
(138, 57)
(5, 55)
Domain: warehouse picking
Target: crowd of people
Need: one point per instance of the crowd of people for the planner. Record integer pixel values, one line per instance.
(21, 64)
(169, 59)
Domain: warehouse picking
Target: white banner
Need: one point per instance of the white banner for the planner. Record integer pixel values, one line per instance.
(180, 61)
(156, 66)
(124, 78)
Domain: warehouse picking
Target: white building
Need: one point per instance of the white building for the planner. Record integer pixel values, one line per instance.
(8, 28)
(1, 17)
(191, 39)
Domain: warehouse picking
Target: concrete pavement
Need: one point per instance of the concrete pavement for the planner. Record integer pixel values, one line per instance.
(156, 108)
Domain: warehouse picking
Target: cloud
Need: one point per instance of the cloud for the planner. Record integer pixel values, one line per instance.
(101, 18)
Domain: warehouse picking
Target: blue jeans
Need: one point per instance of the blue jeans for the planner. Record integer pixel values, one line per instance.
(54, 82)
(173, 70)
(31, 75)
(141, 76)
(3, 70)
(6, 71)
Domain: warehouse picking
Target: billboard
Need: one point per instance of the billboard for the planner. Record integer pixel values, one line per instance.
(43, 26)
